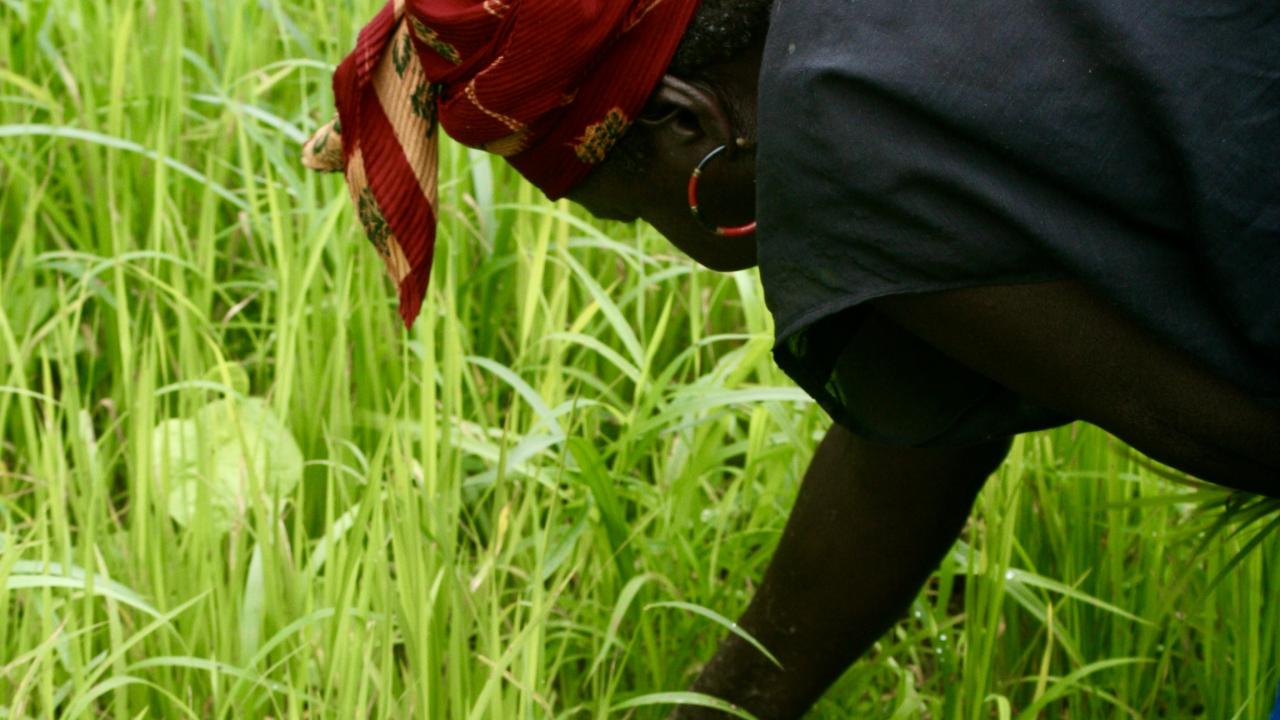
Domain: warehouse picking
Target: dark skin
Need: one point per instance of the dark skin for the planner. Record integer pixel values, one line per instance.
(871, 522)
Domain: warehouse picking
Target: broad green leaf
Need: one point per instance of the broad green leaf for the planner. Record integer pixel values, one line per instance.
(212, 464)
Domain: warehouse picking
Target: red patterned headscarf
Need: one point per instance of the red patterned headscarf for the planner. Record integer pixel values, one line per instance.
(548, 84)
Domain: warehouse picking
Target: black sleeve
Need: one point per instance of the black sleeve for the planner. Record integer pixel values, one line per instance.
(889, 387)
(919, 147)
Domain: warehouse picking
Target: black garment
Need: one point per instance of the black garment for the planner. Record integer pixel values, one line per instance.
(910, 146)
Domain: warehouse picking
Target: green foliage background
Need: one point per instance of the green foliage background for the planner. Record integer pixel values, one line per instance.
(581, 425)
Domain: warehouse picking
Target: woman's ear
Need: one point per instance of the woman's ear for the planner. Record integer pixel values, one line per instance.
(681, 113)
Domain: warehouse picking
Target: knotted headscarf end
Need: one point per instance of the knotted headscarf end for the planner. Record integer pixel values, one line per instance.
(551, 85)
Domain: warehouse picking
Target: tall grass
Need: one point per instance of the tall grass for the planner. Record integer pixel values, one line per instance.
(498, 509)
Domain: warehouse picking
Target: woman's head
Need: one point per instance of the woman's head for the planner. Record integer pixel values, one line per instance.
(552, 86)
(705, 100)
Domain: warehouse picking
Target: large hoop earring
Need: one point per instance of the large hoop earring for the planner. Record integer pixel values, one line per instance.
(738, 231)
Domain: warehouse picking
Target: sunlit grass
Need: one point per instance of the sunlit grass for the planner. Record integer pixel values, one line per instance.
(516, 509)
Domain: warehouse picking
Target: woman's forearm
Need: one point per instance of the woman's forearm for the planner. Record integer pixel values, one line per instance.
(869, 526)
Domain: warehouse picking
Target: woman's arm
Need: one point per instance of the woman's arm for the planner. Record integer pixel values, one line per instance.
(871, 522)
(1060, 345)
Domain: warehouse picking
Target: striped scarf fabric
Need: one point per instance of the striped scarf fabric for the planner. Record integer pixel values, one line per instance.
(550, 85)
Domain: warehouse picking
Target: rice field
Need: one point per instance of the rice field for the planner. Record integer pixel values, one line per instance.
(232, 485)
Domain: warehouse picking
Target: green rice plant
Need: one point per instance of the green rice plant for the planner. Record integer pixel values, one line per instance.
(542, 501)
